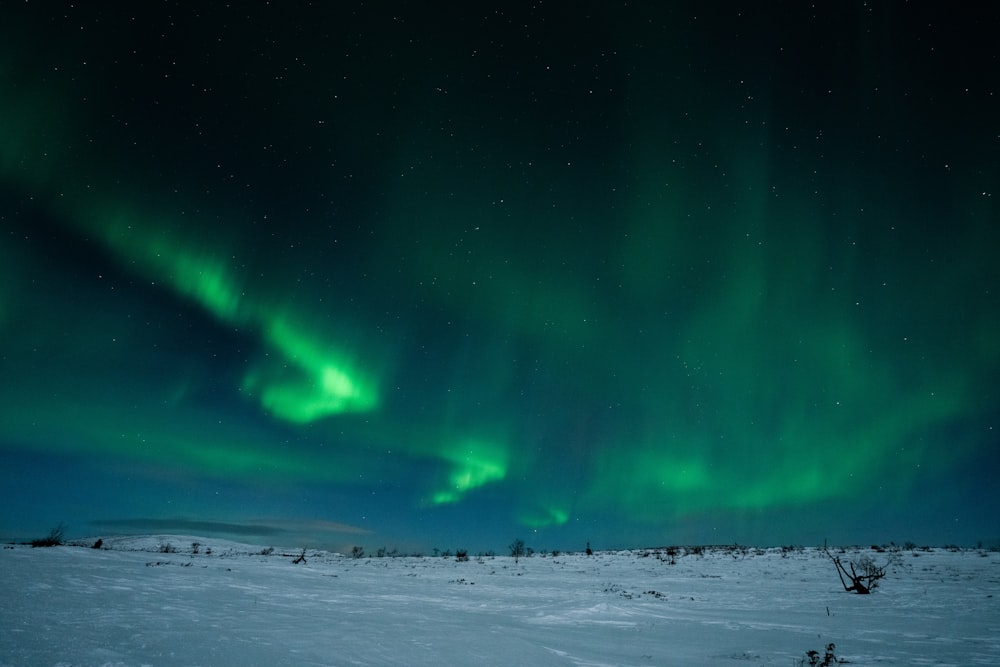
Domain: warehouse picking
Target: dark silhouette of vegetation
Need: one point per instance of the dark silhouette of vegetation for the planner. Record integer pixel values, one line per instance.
(98, 544)
(462, 555)
(301, 558)
(590, 552)
(863, 576)
(357, 551)
(55, 538)
(829, 659)
(517, 549)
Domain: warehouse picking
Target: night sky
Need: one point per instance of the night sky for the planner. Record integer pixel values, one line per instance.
(447, 274)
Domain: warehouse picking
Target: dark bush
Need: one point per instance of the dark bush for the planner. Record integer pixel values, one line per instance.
(864, 575)
(517, 549)
(55, 538)
(828, 659)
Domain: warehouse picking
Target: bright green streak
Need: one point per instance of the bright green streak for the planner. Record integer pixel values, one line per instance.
(325, 378)
(316, 377)
(207, 282)
(328, 383)
(474, 463)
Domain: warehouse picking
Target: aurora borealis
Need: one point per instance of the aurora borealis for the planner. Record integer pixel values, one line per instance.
(626, 273)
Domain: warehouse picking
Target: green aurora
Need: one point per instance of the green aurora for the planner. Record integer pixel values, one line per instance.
(451, 284)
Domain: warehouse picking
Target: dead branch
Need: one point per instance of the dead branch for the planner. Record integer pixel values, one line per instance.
(863, 582)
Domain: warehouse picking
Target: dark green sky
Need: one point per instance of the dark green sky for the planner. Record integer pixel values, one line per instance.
(631, 273)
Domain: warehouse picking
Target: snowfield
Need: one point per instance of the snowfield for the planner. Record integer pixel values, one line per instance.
(131, 604)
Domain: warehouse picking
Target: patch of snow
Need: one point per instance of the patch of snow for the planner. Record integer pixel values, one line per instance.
(134, 603)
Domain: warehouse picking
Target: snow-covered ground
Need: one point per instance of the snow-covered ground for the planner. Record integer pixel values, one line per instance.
(131, 604)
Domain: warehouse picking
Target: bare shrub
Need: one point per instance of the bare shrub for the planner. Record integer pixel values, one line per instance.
(829, 658)
(864, 575)
(517, 549)
(55, 538)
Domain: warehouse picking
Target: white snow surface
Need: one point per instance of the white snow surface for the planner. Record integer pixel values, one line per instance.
(132, 604)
